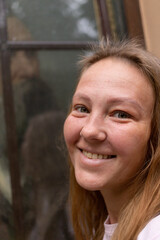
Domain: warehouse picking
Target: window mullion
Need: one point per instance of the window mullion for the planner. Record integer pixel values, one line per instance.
(104, 19)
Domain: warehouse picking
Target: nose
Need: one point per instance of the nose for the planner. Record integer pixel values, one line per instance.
(94, 129)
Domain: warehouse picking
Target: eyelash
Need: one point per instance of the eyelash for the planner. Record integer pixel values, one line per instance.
(127, 115)
(124, 115)
(79, 108)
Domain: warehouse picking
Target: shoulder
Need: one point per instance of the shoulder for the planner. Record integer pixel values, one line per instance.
(151, 231)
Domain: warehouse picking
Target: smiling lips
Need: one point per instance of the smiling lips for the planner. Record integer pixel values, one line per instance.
(97, 156)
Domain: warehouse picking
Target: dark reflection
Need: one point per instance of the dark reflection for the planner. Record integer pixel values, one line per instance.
(47, 184)
(32, 97)
(38, 98)
(44, 173)
(43, 166)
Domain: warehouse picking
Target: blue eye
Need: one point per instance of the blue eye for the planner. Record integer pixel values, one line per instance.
(121, 114)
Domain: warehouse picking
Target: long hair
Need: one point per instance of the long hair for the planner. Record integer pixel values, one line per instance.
(88, 208)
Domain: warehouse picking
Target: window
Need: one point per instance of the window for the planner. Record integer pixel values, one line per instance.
(40, 43)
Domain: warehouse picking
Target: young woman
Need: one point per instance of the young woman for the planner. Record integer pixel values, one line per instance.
(112, 135)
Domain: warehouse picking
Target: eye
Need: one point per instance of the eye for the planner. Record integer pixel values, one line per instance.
(121, 114)
(81, 109)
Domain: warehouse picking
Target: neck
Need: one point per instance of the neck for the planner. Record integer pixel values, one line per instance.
(115, 201)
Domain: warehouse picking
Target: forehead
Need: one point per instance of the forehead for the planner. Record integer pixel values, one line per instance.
(117, 78)
(115, 70)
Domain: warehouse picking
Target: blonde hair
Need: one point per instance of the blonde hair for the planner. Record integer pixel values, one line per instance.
(88, 208)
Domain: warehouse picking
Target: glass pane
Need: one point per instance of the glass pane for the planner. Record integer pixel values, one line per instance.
(52, 20)
(6, 215)
(43, 84)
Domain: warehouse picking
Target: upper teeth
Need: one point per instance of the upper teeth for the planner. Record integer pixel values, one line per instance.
(96, 156)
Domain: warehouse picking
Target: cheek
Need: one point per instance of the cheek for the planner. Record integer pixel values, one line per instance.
(131, 141)
(71, 131)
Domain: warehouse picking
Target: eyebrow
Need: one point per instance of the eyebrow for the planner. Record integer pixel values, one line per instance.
(82, 96)
(114, 100)
(120, 100)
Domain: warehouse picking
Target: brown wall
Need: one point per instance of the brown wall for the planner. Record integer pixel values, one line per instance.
(150, 12)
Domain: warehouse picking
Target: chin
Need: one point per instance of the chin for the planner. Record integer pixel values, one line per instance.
(88, 184)
(89, 187)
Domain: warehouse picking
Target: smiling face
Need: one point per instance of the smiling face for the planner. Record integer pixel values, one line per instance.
(108, 128)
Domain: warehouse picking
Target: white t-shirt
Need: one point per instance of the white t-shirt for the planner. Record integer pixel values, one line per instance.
(108, 229)
(150, 232)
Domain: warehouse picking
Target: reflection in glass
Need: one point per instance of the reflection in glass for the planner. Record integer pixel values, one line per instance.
(57, 21)
(6, 214)
(43, 84)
